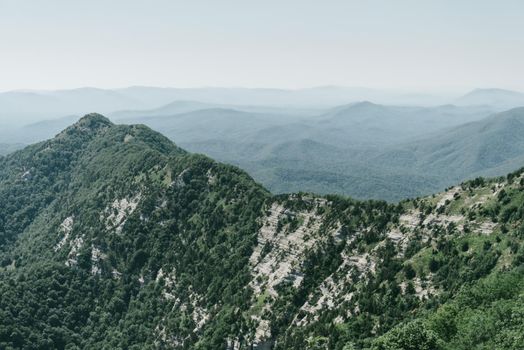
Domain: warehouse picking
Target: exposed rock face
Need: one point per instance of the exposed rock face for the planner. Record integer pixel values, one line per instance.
(96, 257)
(72, 257)
(116, 215)
(279, 252)
(65, 228)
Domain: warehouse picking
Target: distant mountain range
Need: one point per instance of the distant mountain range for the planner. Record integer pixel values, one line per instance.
(27, 106)
(362, 149)
(365, 154)
(491, 146)
(499, 98)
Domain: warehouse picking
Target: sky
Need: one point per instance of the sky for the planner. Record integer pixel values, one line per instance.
(401, 44)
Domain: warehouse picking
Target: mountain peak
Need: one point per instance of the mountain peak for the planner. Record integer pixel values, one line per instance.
(93, 121)
(359, 108)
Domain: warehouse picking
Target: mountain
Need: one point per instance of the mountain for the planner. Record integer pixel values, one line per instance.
(337, 152)
(173, 108)
(272, 147)
(322, 96)
(29, 106)
(307, 165)
(498, 98)
(489, 147)
(111, 236)
(352, 149)
(181, 107)
(370, 123)
(212, 124)
(390, 166)
(6, 148)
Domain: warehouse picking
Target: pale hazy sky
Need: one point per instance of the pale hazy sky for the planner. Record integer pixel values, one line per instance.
(271, 43)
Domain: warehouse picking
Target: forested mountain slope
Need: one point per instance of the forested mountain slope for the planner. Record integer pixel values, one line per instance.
(112, 237)
(328, 153)
(491, 146)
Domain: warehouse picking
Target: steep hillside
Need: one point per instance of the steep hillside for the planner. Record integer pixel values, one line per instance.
(111, 207)
(492, 146)
(112, 237)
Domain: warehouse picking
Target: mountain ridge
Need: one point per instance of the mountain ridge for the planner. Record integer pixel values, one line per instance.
(113, 237)
(500, 98)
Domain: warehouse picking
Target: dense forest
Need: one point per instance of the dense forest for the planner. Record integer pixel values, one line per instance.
(112, 237)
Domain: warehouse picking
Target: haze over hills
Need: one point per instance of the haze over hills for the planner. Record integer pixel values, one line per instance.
(28, 106)
(179, 107)
(491, 146)
(322, 96)
(352, 149)
(114, 237)
(340, 151)
(498, 98)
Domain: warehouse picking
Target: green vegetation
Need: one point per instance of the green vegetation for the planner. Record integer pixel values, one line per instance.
(112, 237)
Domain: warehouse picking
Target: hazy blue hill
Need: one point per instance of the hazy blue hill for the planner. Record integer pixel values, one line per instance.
(482, 145)
(491, 146)
(369, 123)
(6, 148)
(173, 108)
(181, 107)
(322, 96)
(212, 124)
(31, 106)
(363, 149)
(358, 124)
(499, 98)
(306, 165)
